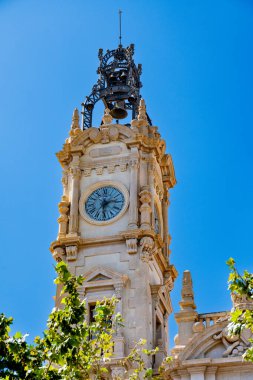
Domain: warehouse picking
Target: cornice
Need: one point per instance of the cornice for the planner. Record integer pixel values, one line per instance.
(116, 132)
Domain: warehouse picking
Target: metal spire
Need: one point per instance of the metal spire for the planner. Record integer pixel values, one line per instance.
(120, 36)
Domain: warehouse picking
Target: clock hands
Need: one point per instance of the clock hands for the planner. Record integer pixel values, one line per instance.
(104, 203)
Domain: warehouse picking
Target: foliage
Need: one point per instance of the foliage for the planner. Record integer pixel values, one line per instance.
(241, 285)
(71, 348)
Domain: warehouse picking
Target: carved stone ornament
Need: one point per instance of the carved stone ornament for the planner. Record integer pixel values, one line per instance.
(118, 373)
(104, 134)
(75, 172)
(107, 118)
(241, 301)
(75, 127)
(145, 196)
(131, 246)
(63, 218)
(71, 252)
(147, 245)
(58, 254)
(234, 346)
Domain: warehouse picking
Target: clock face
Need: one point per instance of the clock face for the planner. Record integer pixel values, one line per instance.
(104, 203)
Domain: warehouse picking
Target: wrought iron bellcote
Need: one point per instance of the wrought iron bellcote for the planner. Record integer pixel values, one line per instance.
(118, 85)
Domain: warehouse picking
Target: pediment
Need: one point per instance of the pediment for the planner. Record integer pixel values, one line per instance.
(103, 276)
(99, 277)
(214, 342)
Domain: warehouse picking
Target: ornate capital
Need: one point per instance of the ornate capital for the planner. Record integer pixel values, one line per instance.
(75, 172)
(131, 246)
(134, 163)
(63, 206)
(145, 196)
(58, 254)
(64, 179)
(147, 245)
(118, 289)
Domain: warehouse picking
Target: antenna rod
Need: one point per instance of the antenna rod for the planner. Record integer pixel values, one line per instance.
(120, 36)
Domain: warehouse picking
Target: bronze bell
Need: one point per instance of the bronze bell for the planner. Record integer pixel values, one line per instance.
(118, 111)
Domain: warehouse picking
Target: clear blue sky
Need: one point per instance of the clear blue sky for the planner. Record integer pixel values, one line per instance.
(197, 75)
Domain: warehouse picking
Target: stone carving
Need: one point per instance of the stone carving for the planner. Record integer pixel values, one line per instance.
(145, 209)
(107, 118)
(187, 301)
(198, 327)
(233, 344)
(64, 181)
(71, 252)
(104, 134)
(75, 172)
(241, 301)
(75, 127)
(141, 120)
(63, 218)
(147, 245)
(99, 171)
(94, 135)
(134, 162)
(131, 246)
(118, 289)
(87, 172)
(118, 373)
(123, 167)
(58, 254)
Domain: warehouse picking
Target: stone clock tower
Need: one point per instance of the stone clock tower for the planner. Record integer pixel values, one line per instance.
(113, 223)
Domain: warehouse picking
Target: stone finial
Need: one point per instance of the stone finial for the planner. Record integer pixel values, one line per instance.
(142, 119)
(107, 118)
(75, 123)
(142, 111)
(187, 301)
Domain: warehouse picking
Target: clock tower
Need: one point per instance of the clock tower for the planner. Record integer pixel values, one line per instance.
(113, 223)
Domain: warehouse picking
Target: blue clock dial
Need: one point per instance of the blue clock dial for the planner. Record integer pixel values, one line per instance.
(104, 203)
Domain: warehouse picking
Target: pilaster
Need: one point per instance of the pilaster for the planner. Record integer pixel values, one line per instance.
(197, 373)
(75, 172)
(165, 204)
(133, 206)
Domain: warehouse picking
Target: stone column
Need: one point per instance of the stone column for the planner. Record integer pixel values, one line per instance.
(64, 181)
(74, 198)
(133, 205)
(166, 332)
(145, 209)
(165, 204)
(154, 295)
(197, 373)
(118, 339)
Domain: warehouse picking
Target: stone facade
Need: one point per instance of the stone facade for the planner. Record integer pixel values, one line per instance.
(128, 255)
(203, 348)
